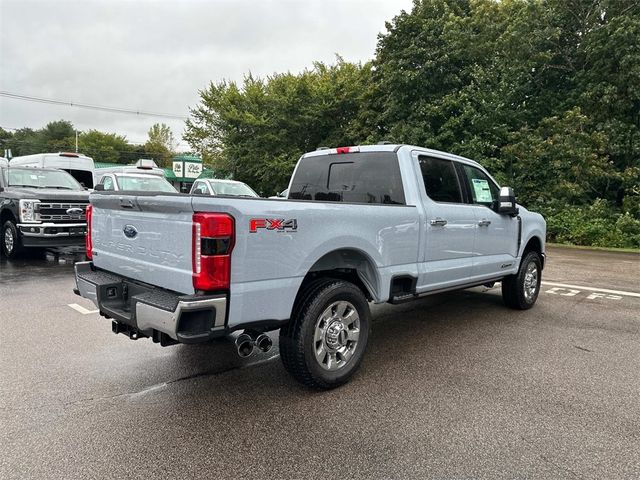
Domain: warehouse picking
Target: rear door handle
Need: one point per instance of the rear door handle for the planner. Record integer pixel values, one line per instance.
(484, 223)
(438, 222)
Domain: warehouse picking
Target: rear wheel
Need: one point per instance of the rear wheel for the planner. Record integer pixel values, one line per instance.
(10, 240)
(520, 291)
(323, 344)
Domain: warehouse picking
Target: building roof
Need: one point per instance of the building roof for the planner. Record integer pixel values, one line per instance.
(108, 165)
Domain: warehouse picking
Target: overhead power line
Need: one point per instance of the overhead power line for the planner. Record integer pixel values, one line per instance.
(28, 98)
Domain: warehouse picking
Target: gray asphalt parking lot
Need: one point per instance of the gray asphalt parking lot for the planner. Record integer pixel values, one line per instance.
(452, 386)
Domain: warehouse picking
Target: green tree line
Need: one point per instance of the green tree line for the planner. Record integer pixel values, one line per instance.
(60, 136)
(544, 93)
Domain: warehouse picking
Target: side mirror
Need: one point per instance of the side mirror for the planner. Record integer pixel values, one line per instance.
(507, 203)
(99, 187)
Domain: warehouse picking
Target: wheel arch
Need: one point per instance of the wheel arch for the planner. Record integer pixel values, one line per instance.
(6, 214)
(351, 264)
(534, 244)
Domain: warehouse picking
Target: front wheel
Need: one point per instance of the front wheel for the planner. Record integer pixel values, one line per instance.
(10, 240)
(323, 344)
(520, 291)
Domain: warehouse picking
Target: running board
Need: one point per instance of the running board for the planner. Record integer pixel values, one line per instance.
(409, 297)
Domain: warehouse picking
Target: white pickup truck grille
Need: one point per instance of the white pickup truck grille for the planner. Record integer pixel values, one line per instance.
(59, 212)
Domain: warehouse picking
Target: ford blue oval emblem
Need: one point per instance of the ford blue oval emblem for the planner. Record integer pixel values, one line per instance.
(130, 231)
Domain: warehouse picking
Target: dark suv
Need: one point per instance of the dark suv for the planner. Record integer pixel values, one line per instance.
(40, 207)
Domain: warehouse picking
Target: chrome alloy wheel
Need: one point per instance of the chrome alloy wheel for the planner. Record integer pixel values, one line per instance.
(336, 335)
(8, 240)
(530, 281)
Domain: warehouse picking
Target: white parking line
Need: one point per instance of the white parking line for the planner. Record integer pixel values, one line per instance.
(592, 289)
(81, 309)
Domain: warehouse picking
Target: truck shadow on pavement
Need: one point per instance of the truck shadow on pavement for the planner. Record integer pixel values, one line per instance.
(415, 333)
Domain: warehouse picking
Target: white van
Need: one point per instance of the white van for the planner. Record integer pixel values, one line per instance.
(79, 166)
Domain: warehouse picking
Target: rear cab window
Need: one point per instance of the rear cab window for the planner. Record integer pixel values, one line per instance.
(362, 177)
(441, 180)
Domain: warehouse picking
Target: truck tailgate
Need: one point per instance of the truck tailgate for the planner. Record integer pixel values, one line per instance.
(146, 238)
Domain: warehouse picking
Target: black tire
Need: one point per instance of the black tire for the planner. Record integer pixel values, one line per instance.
(14, 248)
(515, 293)
(297, 345)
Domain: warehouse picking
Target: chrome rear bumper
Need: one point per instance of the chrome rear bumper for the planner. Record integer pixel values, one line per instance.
(144, 310)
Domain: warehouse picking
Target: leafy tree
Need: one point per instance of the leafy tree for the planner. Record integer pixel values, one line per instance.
(5, 138)
(160, 145)
(545, 94)
(104, 147)
(561, 161)
(58, 136)
(257, 131)
(23, 141)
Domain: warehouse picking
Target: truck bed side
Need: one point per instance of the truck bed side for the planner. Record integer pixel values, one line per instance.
(268, 265)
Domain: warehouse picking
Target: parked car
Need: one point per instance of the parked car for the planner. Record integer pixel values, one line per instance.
(143, 165)
(211, 186)
(40, 207)
(134, 182)
(377, 223)
(77, 165)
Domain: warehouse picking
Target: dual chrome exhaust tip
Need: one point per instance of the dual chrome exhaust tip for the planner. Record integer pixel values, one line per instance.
(246, 343)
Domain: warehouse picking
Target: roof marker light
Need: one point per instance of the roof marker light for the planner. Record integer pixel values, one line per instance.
(347, 149)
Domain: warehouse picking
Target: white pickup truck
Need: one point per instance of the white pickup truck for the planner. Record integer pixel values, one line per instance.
(376, 223)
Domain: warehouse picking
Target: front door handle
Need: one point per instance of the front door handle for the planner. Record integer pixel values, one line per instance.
(484, 223)
(438, 222)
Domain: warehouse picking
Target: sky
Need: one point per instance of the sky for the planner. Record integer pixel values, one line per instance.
(155, 56)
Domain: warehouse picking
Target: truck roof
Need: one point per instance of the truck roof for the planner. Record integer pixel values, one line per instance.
(134, 174)
(51, 154)
(221, 180)
(386, 147)
(30, 167)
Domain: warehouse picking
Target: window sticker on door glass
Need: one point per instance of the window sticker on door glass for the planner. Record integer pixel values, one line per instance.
(481, 190)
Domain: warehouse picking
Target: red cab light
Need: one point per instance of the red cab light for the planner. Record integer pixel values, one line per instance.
(66, 154)
(347, 149)
(213, 239)
(88, 242)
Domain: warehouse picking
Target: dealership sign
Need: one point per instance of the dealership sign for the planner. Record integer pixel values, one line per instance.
(177, 168)
(186, 169)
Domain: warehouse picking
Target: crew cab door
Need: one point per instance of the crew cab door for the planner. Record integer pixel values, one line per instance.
(449, 229)
(496, 240)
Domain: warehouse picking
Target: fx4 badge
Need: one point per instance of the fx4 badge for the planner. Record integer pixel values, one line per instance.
(278, 224)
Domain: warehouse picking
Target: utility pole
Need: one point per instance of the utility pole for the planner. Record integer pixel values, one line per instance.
(76, 141)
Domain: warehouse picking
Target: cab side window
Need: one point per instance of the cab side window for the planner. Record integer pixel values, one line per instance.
(440, 180)
(200, 189)
(108, 183)
(483, 190)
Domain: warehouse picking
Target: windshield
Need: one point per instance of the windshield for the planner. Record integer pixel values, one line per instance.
(145, 184)
(235, 189)
(34, 178)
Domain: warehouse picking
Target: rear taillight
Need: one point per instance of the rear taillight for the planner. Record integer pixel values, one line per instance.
(213, 239)
(88, 242)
